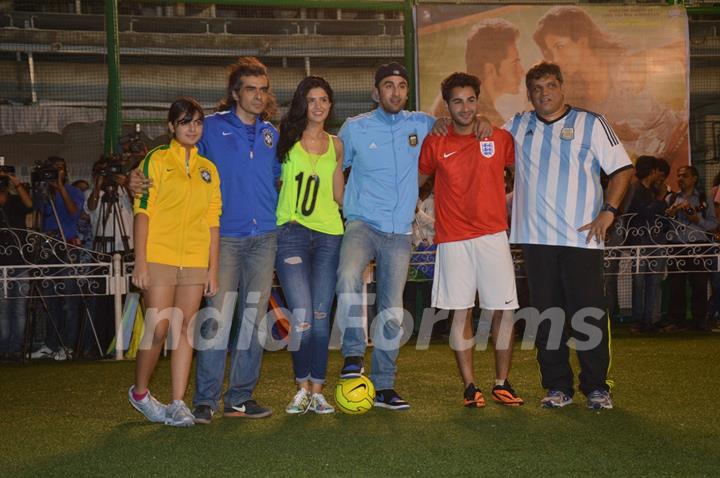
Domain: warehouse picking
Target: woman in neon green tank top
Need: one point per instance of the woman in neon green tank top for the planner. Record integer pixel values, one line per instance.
(309, 235)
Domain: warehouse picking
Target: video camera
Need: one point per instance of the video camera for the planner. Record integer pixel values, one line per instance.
(5, 170)
(43, 173)
(133, 147)
(110, 168)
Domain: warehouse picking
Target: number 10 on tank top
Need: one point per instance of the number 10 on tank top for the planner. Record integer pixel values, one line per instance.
(312, 187)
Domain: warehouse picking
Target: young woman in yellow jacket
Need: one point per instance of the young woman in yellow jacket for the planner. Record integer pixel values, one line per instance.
(176, 256)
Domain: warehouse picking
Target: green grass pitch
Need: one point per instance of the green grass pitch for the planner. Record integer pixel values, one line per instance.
(73, 419)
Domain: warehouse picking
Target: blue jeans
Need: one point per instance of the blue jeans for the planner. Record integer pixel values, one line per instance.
(66, 312)
(13, 316)
(391, 252)
(646, 289)
(306, 264)
(246, 267)
(715, 297)
(12, 324)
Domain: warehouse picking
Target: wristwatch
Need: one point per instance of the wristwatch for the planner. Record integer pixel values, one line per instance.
(609, 208)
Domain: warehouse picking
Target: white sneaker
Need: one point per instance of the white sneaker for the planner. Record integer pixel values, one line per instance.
(149, 406)
(42, 353)
(556, 399)
(318, 404)
(300, 403)
(179, 415)
(599, 400)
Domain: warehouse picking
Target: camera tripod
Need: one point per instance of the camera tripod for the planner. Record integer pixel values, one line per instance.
(41, 192)
(110, 223)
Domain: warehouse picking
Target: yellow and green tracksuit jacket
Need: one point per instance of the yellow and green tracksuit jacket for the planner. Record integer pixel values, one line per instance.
(182, 205)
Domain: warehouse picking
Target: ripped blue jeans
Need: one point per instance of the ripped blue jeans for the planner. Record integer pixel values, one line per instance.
(306, 265)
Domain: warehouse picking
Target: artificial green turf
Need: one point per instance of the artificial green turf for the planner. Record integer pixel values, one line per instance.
(73, 419)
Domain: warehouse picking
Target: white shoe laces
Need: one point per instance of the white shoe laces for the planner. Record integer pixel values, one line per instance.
(299, 397)
(320, 401)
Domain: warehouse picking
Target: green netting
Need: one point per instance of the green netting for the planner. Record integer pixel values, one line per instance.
(53, 67)
(705, 96)
(54, 72)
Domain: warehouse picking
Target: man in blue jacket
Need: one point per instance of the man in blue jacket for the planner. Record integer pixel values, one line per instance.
(382, 148)
(241, 144)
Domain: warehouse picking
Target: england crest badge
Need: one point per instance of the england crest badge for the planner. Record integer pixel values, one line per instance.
(487, 148)
(268, 138)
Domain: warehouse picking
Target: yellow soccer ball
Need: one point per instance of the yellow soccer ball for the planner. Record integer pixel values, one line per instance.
(355, 395)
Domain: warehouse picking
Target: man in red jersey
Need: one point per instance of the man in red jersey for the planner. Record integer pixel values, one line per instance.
(473, 253)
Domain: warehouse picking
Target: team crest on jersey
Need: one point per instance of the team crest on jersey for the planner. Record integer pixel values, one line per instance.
(267, 138)
(205, 175)
(568, 134)
(413, 140)
(487, 148)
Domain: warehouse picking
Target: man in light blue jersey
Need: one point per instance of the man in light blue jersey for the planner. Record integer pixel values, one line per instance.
(382, 148)
(560, 219)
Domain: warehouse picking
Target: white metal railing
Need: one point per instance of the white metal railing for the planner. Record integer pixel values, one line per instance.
(47, 267)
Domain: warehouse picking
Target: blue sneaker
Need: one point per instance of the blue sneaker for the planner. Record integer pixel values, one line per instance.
(599, 400)
(389, 398)
(203, 414)
(352, 368)
(247, 409)
(556, 399)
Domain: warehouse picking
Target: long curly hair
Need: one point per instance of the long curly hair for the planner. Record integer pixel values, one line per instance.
(246, 66)
(294, 122)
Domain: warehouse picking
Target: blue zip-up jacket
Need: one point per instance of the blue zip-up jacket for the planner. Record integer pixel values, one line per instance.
(383, 151)
(247, 175)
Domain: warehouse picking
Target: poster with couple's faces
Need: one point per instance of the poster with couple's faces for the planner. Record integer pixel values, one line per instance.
(628, 63)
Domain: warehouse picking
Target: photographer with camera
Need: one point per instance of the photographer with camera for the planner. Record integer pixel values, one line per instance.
(61, 208)
(110, 207)
(697, 221)
(68, 200)
(109, 212)
(14, 208)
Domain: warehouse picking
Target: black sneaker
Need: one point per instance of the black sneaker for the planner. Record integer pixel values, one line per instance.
(203, 414)
(389, 398)
(353, 367)
(247, 409)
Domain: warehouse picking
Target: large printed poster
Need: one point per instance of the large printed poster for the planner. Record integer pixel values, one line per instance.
(627, 63)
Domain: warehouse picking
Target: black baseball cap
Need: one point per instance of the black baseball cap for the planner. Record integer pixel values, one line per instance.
(390, 69)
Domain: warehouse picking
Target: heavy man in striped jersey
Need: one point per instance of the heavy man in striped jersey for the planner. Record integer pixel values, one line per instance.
(560, 217)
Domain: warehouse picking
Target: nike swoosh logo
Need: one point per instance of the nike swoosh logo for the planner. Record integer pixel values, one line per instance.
(240, 409)
(508, 301)
(362, 385)
(447, 155)
(168, 170)
(226, 133)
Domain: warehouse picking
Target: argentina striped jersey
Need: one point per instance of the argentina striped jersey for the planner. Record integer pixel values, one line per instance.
(557, 175)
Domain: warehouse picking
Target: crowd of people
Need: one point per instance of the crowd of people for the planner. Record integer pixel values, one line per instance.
(231, 199)
(657, 217)
(75, 216)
